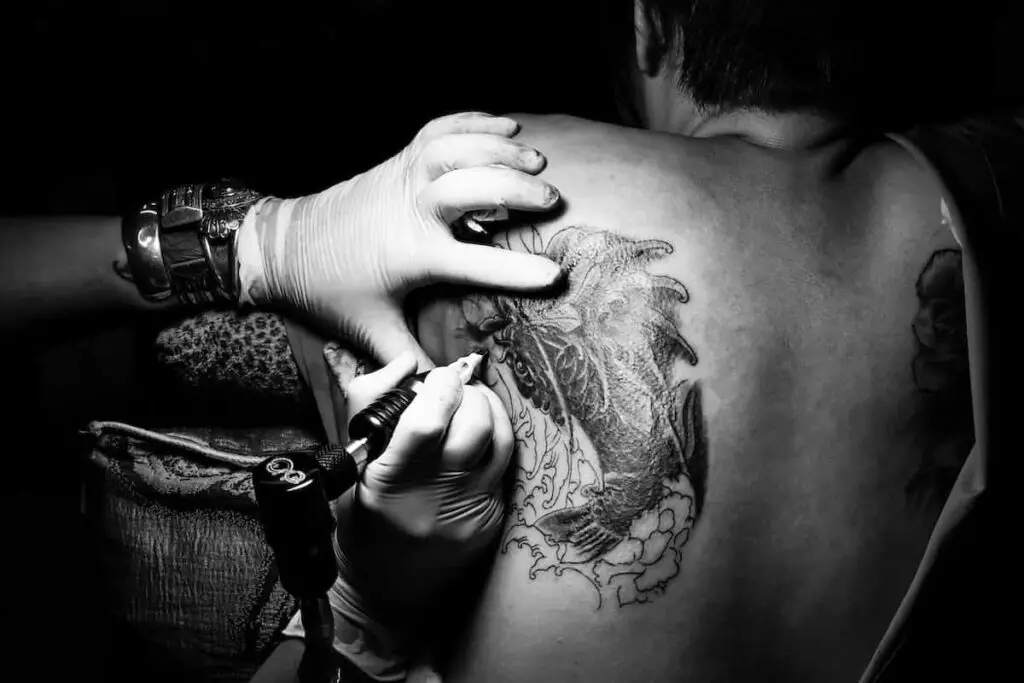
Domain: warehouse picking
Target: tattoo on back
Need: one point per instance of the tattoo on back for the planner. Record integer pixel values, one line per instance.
(941, 376)
(601, 385)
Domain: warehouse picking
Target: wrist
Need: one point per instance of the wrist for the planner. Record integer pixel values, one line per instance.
(266, 243)
(183, 244)
(252, 278)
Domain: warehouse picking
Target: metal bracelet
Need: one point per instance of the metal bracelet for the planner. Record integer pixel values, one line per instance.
(140, 234)
(215, 211)
(219, 207)
(197, 261)
(225, 204)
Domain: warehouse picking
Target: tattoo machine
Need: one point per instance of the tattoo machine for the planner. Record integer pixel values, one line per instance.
(371, 428)
(293, 493)
(299, 526)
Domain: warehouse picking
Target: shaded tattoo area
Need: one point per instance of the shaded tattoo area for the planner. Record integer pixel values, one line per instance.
(600, 384)
(941, 376)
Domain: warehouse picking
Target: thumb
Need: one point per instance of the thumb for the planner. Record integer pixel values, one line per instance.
(362, 389)
(345, 366)
(485, 266)
(417, 438)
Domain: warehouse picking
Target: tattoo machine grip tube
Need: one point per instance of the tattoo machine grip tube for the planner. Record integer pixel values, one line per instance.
(375, 424)
(371, 429)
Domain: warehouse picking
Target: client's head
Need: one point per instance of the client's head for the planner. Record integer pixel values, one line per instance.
(871, 61)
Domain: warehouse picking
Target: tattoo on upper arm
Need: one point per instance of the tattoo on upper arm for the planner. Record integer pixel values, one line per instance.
(606, 406)
(941, 376)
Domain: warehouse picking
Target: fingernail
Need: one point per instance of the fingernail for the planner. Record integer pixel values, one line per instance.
(551, 195)
(535, 159)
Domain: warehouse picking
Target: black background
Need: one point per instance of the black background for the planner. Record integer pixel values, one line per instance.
(105, 100)
(108, 99)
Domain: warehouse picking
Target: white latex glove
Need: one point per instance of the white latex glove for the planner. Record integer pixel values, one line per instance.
(428, 510)
(437, 483)
(345, 258)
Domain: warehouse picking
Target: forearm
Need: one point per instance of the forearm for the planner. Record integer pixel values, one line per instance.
(53, 268)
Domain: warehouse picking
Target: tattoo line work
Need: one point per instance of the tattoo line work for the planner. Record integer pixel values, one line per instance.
(941, 375)
(607, 413)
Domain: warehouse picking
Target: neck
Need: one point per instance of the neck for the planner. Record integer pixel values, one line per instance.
(789, 130)
(798, 129)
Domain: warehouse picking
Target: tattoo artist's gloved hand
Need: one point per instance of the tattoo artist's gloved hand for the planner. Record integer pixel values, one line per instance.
(346, 257)
(428, 509)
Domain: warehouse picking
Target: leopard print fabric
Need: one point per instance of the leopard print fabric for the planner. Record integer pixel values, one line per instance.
(241, 354)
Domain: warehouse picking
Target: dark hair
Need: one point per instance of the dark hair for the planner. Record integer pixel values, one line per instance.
(873, 60)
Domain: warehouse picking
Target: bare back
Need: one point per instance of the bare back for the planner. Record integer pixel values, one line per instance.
(727, 425)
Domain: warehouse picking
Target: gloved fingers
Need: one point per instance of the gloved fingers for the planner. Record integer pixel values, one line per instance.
(398, 484)
(467, 122)
(486, 266)
(483, 188)
(452, 152)
(361, 390)
(470, 432)
(345, 365)
(503, 441)
(421, 430)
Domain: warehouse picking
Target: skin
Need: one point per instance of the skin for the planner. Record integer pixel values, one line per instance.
(802, 485)
(810, 477)
(822, 328)
(802, 269)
